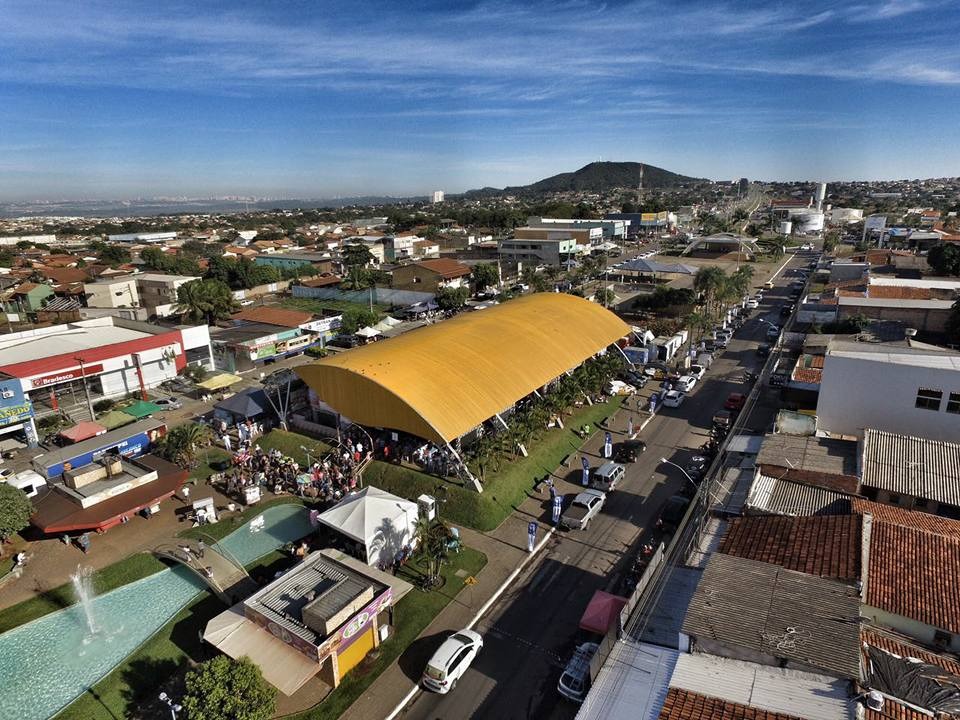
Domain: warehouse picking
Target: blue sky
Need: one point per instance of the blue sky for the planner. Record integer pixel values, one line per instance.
(316, 99)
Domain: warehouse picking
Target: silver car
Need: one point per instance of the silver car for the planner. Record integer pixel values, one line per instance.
(583, 509)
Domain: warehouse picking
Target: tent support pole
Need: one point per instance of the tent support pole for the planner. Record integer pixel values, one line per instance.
(620, 350)
(502, 421)
(474, 482)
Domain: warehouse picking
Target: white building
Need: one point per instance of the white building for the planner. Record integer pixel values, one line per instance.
(843, 216)
(437, 196)
(120, 292)
(158, 292)
(156, 237)
(911, 389)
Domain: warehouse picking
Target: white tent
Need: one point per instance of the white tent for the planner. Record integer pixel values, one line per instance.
(367, 332)
(383, 523)
(388, 323)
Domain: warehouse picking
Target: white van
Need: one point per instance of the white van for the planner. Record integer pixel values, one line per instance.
(607, 476)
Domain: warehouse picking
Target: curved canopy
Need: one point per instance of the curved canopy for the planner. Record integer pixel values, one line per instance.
(441, 381)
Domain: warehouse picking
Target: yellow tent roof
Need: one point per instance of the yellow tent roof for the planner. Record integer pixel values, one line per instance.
(220, 380)
(440, 381)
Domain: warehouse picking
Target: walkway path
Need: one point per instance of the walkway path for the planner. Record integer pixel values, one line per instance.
(225, 576)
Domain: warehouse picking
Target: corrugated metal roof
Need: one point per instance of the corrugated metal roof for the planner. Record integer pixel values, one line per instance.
(636, 678)
(822, 455)
(749, 604)
(773, 496)
(911, 466)
(441, 381)
(666, 621)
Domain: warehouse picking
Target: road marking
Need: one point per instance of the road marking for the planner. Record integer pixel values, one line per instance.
(504, 635)
(415, 690)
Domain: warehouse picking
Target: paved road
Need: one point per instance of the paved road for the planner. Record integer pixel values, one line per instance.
(530, 631)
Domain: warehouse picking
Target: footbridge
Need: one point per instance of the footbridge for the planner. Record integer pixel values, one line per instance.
(212, 563)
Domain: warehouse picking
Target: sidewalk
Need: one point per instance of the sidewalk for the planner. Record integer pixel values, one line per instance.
(506, 549)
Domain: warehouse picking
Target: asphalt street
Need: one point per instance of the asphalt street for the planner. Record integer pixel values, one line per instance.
(532, 630)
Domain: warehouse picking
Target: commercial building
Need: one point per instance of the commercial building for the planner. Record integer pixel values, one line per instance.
(59, 366)
(612, 227)
(431, 275)
(16, 413)
(145, 237)
(320, 618)
(118, 292)
(548, 248)
(437, 197)
(907, 388)
(158, 292)
(290, 260)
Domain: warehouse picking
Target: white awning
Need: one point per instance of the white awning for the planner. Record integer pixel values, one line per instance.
(282, 666)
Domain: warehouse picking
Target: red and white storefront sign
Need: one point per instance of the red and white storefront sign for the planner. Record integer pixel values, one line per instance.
(65, 376)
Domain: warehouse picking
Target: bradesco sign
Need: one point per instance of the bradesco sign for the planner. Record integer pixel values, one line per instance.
(65, 376)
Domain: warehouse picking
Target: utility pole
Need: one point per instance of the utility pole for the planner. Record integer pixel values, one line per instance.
(86, 390)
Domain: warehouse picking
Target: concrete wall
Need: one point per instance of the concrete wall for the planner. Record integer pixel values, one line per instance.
(383, 296)
(932, 320)
(908, 626)
(114, 294)
(857, 393)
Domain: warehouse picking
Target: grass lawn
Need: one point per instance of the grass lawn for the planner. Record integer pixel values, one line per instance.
(113, 576)
(316, 305)
(413, 613)
(289, 444)
(503, 489)
(210, 460)
(140, 676)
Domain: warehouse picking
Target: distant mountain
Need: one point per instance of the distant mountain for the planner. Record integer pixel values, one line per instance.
(595, 177)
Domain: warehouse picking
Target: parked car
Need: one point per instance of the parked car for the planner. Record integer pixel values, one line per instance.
(673, 511)
(735, 402)
(633, 377)
(773, 332)
(763, 351)
(697, 371)
(607, 476)
(451, 661)
(628, 451)
(520, 288)
(345, 341)
(752, 304)
(768, 284)
(686, 383)
(167, 403)
(655, 370)
(583, 509)
(618, 387)
(575, 681)
(673, 398)
(787, 310)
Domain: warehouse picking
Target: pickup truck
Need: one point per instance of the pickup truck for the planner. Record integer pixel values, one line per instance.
(583, 509)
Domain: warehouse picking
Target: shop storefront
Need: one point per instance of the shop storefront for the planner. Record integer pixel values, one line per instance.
(16, 414)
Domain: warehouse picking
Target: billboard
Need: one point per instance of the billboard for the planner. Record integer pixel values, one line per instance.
(14, 405)
(875, 222)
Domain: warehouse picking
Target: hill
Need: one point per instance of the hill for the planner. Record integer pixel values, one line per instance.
(596, 177)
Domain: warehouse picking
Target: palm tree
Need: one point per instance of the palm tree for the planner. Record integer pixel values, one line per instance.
(431, 536)
(709, 282)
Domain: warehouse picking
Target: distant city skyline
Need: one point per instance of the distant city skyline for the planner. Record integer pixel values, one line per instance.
(318, 100)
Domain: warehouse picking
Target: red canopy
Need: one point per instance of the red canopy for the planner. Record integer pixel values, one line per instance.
(83, 431)
(602, 611)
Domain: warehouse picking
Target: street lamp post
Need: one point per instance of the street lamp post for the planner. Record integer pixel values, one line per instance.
(174, 707)
(664, 461)
(307, 451)
(86, 390)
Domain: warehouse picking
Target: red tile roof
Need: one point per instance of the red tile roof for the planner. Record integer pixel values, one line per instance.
(914, 574)
(824, 545)
(814, 376)
(445, 267)
(686, 705)
(275, 316)
(907, 518)
(892, 643)
(899, 293)
(322, 281)
(892, 710)
(64, 276)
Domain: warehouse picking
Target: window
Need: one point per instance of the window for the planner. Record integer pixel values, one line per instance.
(928, 399)
(953, 403)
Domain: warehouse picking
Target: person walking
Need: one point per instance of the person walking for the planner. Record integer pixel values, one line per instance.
(201, 546)
(227, 444)
(532, 535)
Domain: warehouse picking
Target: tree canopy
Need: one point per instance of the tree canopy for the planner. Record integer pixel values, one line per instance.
(448, 298)
(227, 689)
(484, 275)
(944, 259)
(205, 300)
(15, 510)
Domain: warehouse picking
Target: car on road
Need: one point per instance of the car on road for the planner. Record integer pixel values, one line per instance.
(167, 403)
(735, 402)
(583, 509)
(451, 661)
(575, 681)
(698, 371)
(673, 511)
(787, 310)
(5, 473)
(763, 351)
(633, 377)
(806, 247)
(673, 398)
(773, 332)
(607, 476)
(628, 451)
(686, 383)
(519, 288)
(752, 304)
(768, 285)
(656, 370)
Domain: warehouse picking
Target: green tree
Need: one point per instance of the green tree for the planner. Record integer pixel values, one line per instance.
(830, 239)
(356, 255)
(606, 297)
(944, 259)
(228, 689)
(432, 537)
(484, 275)
(448, 298)
(15, 511)
(709, 282)
(114, 255)
(205, 300)
(357, 317)
(182, 443)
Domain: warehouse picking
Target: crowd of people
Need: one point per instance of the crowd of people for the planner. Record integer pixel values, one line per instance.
(400, 448)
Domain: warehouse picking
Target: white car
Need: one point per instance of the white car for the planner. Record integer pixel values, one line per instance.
(575, 681)
(673, 398)
(451, 661)
(685, 383)
(697, 371)
(618, 387)
(167, 403)
(752, 304)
